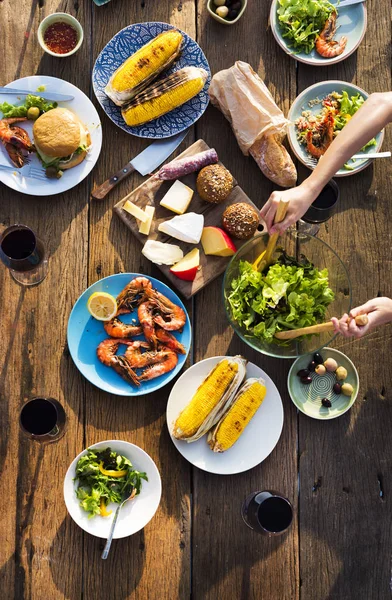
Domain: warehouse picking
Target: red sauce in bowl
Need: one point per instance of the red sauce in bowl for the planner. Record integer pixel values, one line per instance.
(61, 38)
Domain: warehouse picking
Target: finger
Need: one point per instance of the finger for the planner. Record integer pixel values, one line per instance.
(283, 225)
(336, 324)
(265, 208)
(364, 309)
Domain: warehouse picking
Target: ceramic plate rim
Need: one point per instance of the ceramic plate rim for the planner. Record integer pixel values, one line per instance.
(125, 127)
(310, 61)
(328, 417)
(133, 392)
(97, 133)
(68, 475)
(291, 135)
(177, 443)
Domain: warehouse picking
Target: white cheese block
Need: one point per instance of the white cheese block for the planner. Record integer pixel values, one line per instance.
(162, 254)
(187, 228)
(177, 198)
(135, 211)
(145, 227)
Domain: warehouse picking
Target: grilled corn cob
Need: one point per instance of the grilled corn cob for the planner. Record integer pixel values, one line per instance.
(142, 67)
(165, 95)
(238, 416)
(210, 399)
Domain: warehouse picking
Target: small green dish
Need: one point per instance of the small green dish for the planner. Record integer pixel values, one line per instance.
(307, 397)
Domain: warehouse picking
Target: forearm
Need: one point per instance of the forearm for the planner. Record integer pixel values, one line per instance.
(370, 119)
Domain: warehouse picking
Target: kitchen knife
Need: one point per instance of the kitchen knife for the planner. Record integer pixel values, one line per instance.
(145, 162)
(44, 95)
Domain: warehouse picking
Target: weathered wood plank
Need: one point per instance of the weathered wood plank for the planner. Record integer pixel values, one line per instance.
(154, 563)
(239, 562)
(36, 534)
(345, 465)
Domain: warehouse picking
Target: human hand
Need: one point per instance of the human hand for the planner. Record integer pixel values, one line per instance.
(378, 310)
(299, 198)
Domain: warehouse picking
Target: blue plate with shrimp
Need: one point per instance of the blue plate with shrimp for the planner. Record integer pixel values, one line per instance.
(351, 24)
(84, 334)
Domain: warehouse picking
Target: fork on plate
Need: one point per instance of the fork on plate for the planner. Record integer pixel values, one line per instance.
(312, 162)
(26, 171)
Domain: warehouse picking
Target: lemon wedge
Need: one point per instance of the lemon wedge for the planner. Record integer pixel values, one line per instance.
(102, 306)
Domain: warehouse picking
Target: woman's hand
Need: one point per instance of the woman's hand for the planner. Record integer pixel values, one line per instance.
(299, 198)
(378, 310)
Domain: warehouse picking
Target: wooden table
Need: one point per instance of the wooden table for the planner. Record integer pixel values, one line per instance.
(337, 474)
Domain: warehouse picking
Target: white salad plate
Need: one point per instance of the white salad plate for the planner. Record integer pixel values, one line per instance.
(256, 442)
(82, 106)
(136, 513)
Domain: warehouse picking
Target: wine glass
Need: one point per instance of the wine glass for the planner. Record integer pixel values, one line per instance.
(24, 254)
(321, 210)
(267, 512)
(43, 419)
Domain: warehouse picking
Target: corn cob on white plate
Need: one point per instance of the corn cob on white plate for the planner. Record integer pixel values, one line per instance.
(117, 51)
(256, 442)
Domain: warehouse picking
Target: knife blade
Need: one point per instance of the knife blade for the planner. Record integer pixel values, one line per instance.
(45, 95)
(145, 162)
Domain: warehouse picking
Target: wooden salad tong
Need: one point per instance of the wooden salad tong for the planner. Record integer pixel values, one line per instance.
(265, 258)
(360, 320)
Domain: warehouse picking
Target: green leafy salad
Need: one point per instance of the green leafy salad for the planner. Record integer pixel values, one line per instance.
(104, 476)
(302, 20)
(12, 110)
(289, 295)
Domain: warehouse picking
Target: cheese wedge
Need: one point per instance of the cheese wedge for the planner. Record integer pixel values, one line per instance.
(177, 198)
(145, 227)
(162, 254)
(135, 211)
(187, 228)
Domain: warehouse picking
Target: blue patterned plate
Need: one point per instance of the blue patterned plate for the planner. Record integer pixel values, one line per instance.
(351, 22)
(85, 333)
(121, 46)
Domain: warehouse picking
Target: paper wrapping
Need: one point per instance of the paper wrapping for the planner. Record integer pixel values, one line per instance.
(247, 104)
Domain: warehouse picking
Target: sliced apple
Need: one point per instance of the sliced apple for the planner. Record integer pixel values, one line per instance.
(216, 242)
(188, 266)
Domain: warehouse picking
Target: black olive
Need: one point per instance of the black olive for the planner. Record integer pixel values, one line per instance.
(306, 380)
(326, 402)
(303, 373)
(337, 388)
(228, 3)
(312, 366)
(233, 14)
(318, 358)
(236, 6)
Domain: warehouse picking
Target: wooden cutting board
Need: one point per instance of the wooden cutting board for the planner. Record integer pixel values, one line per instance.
(152, 192)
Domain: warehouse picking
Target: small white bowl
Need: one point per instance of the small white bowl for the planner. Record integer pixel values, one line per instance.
(59, 18)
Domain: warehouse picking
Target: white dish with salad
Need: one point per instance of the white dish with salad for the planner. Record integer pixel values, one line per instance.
(318, 114)
(96, 479)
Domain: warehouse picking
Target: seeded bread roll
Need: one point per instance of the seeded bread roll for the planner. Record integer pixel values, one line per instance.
(240, 220)
(214, 183)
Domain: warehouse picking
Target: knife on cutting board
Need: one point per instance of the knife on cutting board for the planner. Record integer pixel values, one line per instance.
(144, 163)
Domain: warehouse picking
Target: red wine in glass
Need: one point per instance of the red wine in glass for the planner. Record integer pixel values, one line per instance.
(267, 512)
(24, 254)
(43, 419)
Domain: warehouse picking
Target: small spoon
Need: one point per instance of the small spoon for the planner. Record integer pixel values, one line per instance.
(127, 495)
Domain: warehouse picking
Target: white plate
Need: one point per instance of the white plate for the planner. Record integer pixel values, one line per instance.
(83, 108)
(136, 513)
(255, 444)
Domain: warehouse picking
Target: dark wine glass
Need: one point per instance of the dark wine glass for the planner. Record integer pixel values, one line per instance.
(267, 512)
(321, 210)
(24, 254)
(43, 419)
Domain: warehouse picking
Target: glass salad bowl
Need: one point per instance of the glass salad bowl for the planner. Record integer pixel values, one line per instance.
(300, 246)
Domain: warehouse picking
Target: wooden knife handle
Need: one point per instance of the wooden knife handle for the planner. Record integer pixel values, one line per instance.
(279, 216)
(100, 192)
(360, 320)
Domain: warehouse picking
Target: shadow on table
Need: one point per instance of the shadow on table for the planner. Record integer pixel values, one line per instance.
(112, 579)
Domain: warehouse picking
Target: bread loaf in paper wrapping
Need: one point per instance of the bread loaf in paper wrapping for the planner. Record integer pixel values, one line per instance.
(258, 124)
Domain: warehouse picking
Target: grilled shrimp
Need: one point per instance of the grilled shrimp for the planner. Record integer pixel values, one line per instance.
(145, 314)
(128, 299)
(325, 131)
(169, 341)
(15, 139)
(106, 353)
(137, 360)
(168, 364)
(325, 44)
(171, 316)
(117, 329)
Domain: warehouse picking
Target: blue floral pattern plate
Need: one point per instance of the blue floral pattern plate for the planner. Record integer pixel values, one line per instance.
(121, 46)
